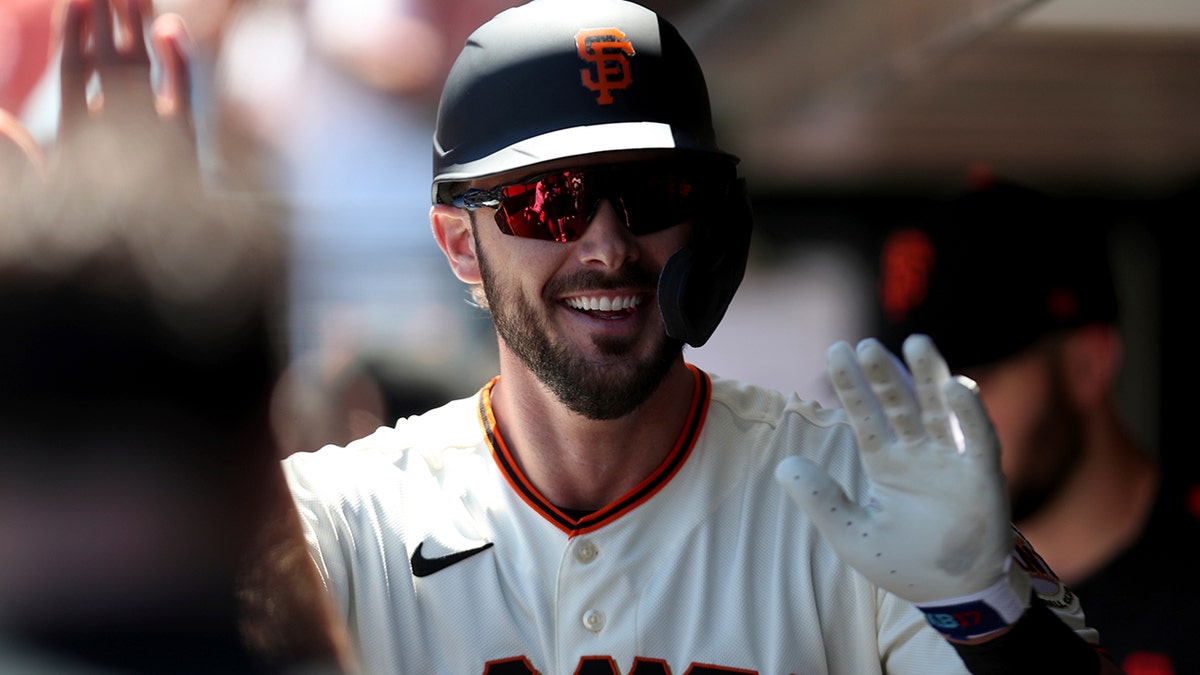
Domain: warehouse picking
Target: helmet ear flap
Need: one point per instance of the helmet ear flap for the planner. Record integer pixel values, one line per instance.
(699, 281)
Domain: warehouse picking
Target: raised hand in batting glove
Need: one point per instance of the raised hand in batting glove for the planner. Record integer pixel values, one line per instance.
(935, 529)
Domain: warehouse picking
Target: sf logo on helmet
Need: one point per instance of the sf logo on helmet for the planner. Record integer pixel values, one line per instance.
(606, 50)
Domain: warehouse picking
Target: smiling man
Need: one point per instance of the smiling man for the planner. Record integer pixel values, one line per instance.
(602, 505)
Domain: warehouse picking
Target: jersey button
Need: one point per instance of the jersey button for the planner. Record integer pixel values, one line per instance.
(586, 551)
(593, 620)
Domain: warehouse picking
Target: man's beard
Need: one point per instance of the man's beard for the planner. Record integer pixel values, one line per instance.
(1055, 443)
(596, 391)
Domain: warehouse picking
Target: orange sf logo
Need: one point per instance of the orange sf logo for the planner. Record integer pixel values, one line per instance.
(606, 49)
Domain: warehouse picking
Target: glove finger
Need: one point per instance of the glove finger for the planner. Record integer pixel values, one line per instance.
(979, 435)
(930, 375)
(852, 389)
(892, 385)
(838, 518)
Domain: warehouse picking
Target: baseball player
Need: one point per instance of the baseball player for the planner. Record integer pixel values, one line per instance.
(603, 506)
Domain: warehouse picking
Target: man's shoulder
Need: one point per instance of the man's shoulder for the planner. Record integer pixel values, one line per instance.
(453, 425)
(458, 422)
(765, 426)
(751, 402)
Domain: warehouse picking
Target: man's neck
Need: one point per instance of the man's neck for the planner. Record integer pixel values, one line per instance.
(1102, 508)
(580, 463)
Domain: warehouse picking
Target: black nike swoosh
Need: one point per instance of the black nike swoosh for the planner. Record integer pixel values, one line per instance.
(423, 567)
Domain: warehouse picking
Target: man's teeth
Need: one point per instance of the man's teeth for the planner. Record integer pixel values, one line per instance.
(605, 304)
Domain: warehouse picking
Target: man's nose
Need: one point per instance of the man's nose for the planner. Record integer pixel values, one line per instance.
(607, 240)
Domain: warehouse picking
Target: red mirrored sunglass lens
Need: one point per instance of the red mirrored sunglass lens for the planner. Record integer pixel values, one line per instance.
(550, 208)
(559, 206)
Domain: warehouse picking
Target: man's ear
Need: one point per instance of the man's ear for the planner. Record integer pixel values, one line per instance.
(1092, 360)
(452, 230)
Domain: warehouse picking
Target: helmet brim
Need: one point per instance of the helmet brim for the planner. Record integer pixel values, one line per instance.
(579, 145)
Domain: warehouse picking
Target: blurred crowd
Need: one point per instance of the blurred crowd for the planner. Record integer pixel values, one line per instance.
(324, 109)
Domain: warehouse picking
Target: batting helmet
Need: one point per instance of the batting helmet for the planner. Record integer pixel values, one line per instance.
(555, 80)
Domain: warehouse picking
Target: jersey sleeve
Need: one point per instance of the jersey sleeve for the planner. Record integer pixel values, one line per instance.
(325, 532)
(335, 490)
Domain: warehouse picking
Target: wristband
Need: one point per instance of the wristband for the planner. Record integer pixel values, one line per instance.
(995, 607)
(1038, 643)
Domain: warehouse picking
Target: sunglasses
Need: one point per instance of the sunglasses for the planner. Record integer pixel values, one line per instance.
(559, 206)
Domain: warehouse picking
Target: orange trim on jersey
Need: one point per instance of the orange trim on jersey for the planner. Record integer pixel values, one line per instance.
(701, 395)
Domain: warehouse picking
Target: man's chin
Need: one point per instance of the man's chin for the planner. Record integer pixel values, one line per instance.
(610, 386)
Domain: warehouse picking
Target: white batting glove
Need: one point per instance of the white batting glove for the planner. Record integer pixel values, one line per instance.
(935, 529)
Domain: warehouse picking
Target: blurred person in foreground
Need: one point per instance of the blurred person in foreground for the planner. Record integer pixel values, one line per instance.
(603, 506)
(1018, 290)
(139, 351)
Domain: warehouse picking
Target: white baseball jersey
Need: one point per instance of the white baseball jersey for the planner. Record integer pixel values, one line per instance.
(445, 559)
